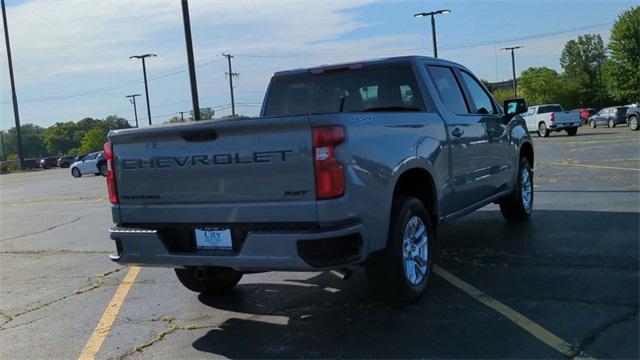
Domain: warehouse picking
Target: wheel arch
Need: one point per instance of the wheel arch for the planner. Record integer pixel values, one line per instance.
(526, 151)
(418, 182)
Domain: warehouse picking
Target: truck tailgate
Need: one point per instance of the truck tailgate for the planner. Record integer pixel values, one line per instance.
(216, 172)
(564, 117)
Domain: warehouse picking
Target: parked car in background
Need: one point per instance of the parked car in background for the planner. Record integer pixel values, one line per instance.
(546, 118)
(633, 115)
(585, 114)
(610, 116)
(65, 161)
(88, 165)
(48, 162)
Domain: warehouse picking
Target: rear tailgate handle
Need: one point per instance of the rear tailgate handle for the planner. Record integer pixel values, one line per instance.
(199, 135)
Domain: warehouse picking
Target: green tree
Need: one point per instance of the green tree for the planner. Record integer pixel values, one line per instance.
(582, 61)
(33, 145)
(502, 94)
(543, 86)
(93, 140)
(60, 138)
(205, 114)
(621, 73)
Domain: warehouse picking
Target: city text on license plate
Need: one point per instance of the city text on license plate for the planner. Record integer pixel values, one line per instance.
(213, 239)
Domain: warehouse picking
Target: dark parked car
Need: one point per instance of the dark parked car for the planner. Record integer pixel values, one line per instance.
(610, 117)
(633, 115)
(66, 161)
(585, 114)
(80, 157)
(48, 162)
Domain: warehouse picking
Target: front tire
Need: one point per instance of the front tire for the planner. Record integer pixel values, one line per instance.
(542, 130)
(592, 124)
(400, 273)
(75, 172)
(209, 280)
(519, 204)
(572, 131)
(633, 123)
(611, 123)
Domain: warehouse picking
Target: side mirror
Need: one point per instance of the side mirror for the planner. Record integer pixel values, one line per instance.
(514, 107)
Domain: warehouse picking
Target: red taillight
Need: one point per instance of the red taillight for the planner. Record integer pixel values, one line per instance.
(329, 173)
(553, 117)
(111, 175)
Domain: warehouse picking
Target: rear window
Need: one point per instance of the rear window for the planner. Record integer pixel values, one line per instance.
(385, 88)
(621, 110)
(549, 109)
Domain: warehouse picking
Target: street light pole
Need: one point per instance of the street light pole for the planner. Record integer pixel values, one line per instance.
(144, 72)
(14, 98)
(513, 66)
(190, 60)
(132, 99)
(433, 26)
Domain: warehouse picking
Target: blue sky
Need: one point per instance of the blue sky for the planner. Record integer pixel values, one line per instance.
(66, 48)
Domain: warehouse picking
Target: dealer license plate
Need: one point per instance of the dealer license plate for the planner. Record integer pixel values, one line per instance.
(213, 239)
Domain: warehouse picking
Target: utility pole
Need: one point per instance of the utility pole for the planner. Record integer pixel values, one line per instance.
(144, 73)
(231, 74)
(132, 99)
(192, 66)
(433, 26)
(513, 66)
(4, 155)
(182, 115)
(16, 113)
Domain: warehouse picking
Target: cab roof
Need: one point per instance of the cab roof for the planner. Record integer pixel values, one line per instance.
(353, 65)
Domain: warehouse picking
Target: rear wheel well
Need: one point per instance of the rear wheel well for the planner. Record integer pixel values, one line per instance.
(526, 151)
(419, 183)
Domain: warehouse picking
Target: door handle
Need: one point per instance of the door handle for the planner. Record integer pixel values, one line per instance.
(457, 132)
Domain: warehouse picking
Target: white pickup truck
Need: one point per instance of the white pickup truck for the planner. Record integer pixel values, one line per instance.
(544, 119)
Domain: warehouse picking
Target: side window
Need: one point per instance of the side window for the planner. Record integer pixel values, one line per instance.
(90, 157)
(448, 89)
(480, 98)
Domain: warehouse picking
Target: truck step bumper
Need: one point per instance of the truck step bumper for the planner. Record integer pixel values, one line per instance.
(260, 251)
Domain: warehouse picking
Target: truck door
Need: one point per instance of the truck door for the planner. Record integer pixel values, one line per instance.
(467, 135)
(498, 156)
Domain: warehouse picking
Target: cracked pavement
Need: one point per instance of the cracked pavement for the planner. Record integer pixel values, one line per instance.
(573, 269)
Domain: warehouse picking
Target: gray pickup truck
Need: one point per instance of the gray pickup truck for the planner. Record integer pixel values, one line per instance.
(347, 164)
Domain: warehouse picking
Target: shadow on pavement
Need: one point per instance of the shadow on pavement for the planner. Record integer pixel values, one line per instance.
(591, 257)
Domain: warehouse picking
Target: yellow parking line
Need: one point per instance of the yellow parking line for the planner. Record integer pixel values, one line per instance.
(595, 166)
(101, 331)
(522, 321)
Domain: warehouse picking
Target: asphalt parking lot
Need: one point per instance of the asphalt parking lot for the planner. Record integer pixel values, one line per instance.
(572, 272)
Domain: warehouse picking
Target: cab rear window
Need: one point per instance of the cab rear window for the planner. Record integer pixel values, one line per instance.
(382, 88)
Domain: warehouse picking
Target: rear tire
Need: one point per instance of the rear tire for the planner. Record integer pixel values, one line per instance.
(103, 170)
(400, 273)
(75, 172)
(519, 204)
(209, 280)
(572, 131)
(633, 123)
(542, 130)
(611, 123)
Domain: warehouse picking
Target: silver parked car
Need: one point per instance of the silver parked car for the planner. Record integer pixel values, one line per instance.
(90, 164)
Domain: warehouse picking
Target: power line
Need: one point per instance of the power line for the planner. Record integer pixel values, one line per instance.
(160, 75)
(451, 47)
